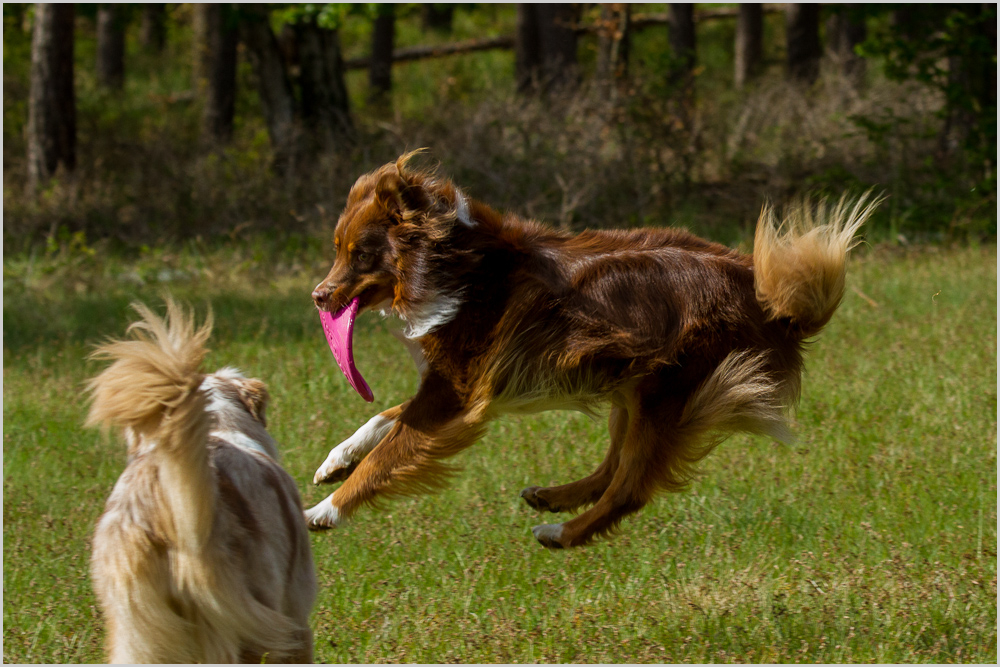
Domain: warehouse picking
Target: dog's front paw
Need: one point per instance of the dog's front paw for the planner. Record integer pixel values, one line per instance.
(323, 516)
(549, 535)
(333, 470)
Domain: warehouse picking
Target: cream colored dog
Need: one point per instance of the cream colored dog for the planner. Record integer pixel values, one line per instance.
(202, 554)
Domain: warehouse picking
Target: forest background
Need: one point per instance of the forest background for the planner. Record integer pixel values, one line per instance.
(166, 123)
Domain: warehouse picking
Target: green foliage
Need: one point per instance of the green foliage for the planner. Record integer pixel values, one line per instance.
(329, 15)
(16, 65)
(951, 48)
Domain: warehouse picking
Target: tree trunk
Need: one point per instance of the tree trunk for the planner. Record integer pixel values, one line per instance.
(682, 41)
(557, 35)
(545, 46)
(527, 48)
(200, 42)
(153, 32)
(437, 17)
(325, 107)
(218, 66)
(613, 40)
(111, 46)
(749, 29)
(51, 130)
(273, 84)
(803, 46)
(845, 29)
(380, 67)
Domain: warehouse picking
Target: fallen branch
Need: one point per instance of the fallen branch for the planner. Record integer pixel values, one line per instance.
(421, 52)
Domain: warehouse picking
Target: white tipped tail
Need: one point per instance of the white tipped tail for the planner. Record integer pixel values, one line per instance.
(800, 261)
(152, 389)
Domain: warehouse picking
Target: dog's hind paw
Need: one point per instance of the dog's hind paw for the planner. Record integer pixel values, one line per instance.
(537, 501)
(322, 516)
(548, 535)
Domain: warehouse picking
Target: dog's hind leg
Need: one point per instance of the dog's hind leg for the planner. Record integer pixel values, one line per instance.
(651, 447)
(588, 490)
(346, 456)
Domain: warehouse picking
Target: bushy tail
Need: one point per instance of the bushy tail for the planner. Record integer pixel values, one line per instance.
(152, 390)
(800, 261)
(738, 396)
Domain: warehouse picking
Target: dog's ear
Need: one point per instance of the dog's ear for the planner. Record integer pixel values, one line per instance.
(389, 189)
(399, 191)
(253, 394)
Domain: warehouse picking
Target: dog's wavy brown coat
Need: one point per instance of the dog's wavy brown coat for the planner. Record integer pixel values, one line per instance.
(688, 340)
(202, 554)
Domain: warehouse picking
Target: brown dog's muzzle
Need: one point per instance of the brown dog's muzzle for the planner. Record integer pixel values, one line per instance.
(321, 296)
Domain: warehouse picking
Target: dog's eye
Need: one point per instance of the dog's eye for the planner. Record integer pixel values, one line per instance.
(364, 257)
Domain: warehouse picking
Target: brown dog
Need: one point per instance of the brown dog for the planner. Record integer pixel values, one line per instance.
(688, 340)
(202, 554)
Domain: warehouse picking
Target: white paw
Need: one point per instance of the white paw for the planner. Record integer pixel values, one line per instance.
(323, 515)
(350, 452)
(549, 534)
(334, 462)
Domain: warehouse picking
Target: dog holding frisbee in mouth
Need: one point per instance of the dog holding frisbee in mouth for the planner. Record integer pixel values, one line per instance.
(684, 339)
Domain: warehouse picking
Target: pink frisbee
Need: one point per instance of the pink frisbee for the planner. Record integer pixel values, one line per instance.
(339, 330)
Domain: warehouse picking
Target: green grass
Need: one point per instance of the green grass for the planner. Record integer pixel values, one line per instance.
(873, 539)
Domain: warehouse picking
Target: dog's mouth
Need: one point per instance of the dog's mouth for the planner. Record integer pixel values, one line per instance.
(339, 330)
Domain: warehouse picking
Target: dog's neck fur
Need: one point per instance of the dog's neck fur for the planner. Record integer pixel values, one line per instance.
(443, 239)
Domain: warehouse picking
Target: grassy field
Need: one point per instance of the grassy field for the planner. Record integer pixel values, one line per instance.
(873, 539)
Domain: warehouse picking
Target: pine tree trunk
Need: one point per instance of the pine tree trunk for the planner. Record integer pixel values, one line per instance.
(682, 40)
(556, 33)
(844, 31)
(218, 67)
(749, 31)
(51, 131)
(527, 48)
(325, 105)
(153, 30)
(273, 84)
(803, 46)
(110, 46)
(437, 17)
(545, 46)
(380, 67)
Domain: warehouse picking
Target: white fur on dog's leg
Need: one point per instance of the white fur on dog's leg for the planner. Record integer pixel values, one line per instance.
(355, 448)
(323, 515)
(549, 534)
(334, 462)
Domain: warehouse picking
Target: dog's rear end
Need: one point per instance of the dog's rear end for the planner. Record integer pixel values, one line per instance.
(663, 425)
(202, 554)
